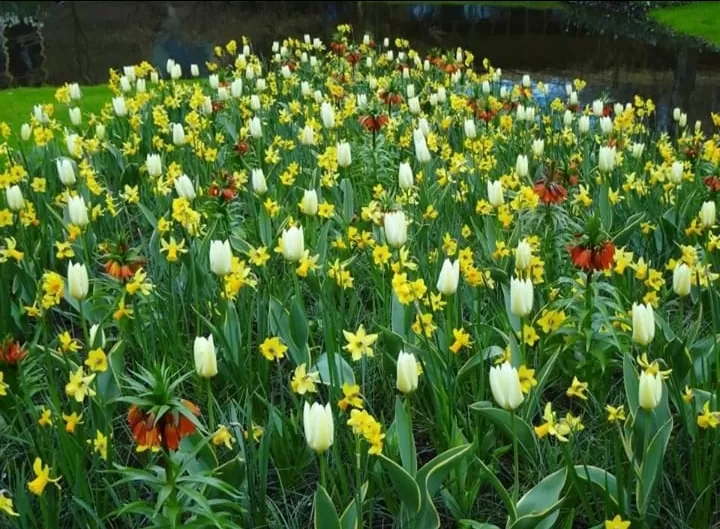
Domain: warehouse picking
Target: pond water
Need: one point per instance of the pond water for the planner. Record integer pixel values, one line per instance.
(81, 41)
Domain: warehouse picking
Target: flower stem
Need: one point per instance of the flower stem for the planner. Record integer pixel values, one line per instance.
(323, 470)
(211, 410)
(516, 460)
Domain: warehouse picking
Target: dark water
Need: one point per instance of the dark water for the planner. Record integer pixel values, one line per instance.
(80, 41)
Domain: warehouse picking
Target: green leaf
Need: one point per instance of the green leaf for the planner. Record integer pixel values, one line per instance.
(233, 334)
(629, 227)
(405, 484)
(349, 518)
(631, 383)
(503, 420)
(298, 324)
(538, 507)
(405, 437)
(398, 317)
(602, 478)
(470, 524)
(348, 199)
(606, 213)
(500, 489)
(149, 216)
(265, 227)
(343, 370)
(652, 465)
(325, 516)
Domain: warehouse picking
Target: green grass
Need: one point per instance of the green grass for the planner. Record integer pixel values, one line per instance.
(698, 20)
(16, 104)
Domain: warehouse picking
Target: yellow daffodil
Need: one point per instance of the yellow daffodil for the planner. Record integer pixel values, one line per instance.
(303, 382)
(71, 421)
(273, 349)
(617, 523)
(359, 343)
(577, 389)
(79, 385)
(222, 436)
(42, 473)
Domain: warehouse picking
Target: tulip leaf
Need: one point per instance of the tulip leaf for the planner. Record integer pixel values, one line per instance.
(544, 519)
(629, 227)
(471, 524)
(299, 330)
(606, 213)
(632, 383)
(652, 464)
(500, 489)
(343, 371)
(325, 516)
(403, 425)
(538, 508)
(349, 518)
(398, 317)
(279, 324)
(603, 479)
(232, 335)
(265, 227)
(503, 421)
(348, 199)
(322, 242)
(405, 484)
(108, 382)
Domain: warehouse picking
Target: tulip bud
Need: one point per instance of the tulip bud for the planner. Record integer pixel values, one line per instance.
(307, 136)
(389, 55)
(606, 125)
(405, 176)
(676, 173)
(205, 357)
(421, 149)
(125, 84)
(249, 72)
(495, 193)
(73, 142)
(194, 70)
(184, 187)
(681, 279)
(14, 198)
(77, 211)
(169, 65)
(424, 127)
(40, 115)
(530, 114)
(25, 131)
(75, 93)
(618, 109)
(414, 105)
(521, 166)
(676, 114)
(66, 171)
(258, 182)
(449, 277)
(236, 87)
(410, 90)
(520, 113)
(309, 204)
(486, 87)
(362, 100)
(650, 390)
(176, 72)
(153, 164)
(597, 108)
(470, 130)
(407, 373)
(538, 148)
(573, 99)
(260, 85)
(344, 157)
(75, 116)
(293, 244)
(220, 257)
(505, 386)
(521, 297)
(178, 134)
(119, 107)
(433, 100)
(100, 131)
(304, 57)
(606, 159)
(584, 124)
(395, 229)
(523, 255)
(95, 339)
(154, 77)
(77, 280)
(256, 128)
(426, 65)
(305, 88)
(206, 107)
(682, 122)
(567, 118)
(441, 94)
(214, 81)
(327, 114)
(526, 81)
(224, 95)
(637, 150)
(707, 214)
(318, 426)
(643, 322)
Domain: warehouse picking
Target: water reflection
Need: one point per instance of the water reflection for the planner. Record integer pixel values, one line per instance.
(80, 41)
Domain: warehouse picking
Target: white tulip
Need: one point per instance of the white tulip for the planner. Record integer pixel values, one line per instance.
(567, 118)
(258, 182)
(260, 85)
(650, 390)
(317, 43)
(153, 162)
(246, 50)
(520, 113)
(449, 278)
(129, 72)
(470, 130)
(618, 109)
(78, 284)
(407, 373)
(305, 88)
(14, 198)
(521, 297)
(424, 127)
(568, 89)
(66, 171)
(184, 187)
(309, 203)
(214, 81)
(220, 257)
(249, 72)
(100, 131)
(304, 57)
(643, 323)
(486, 87)
(366, 39)
(573, 100)
(307, 136)
(318, 97)
(707, 214)
(77, 211)
(327, 114)
(344, 157)
(140, 86)
(206, 107)
(676, 172)
(119, 107)
(285, 72)
(676, 114)
(682, 122)
(426, 65)
(395, 229)
(178, 134)
(521, 166)
(205, 357)
(362, 100)
(236, 87)
(538, 148)
(523, 255)
(597, 108)
(584, 124)
(154, 77)
(421, 149)
(606, 159)
(505, 386)
(293, 243)
(637, 150)
(681, 279)
(73, 142)
(526, 81)
(405, 176)
(390, 55)
(75, 92)
(223, 94)
(318, 426)
(606, 125)
(40, 115)
(75, 116)
(255, 102)
(386, 42)
(530, 114)
(256, 128)
(176, 72)
(125, 85)
(194, 70)
(495, 193)
(414, 105)
(25, 131)
(433, 99)
(441, 94)
(169, 65)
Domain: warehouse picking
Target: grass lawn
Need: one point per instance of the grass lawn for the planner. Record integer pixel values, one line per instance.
(699, 20)
(16, 104)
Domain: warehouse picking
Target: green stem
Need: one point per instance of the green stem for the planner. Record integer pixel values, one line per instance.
(211, 410)
(323, 470)
(516, 460)
(358, 481)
